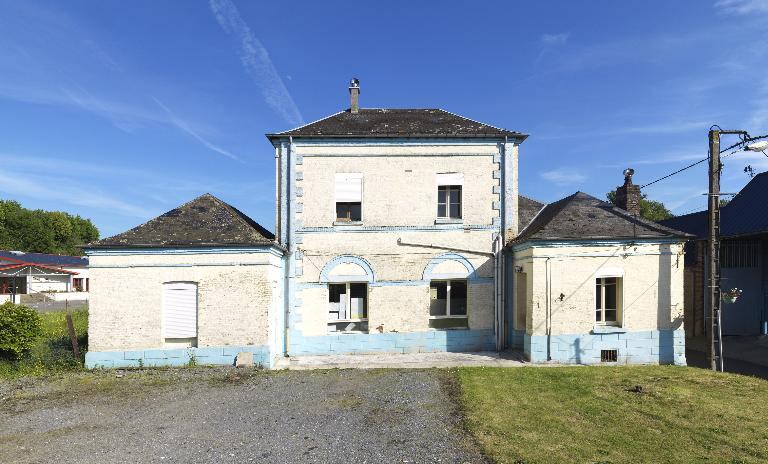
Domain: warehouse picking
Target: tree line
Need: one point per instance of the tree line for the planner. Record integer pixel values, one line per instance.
(42, 231)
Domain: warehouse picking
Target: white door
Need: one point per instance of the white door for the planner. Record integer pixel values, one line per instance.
(180, 310)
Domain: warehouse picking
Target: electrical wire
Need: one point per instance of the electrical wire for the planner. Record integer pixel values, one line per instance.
(735, 146)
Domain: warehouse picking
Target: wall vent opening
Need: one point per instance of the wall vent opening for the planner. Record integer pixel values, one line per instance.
(609, 356)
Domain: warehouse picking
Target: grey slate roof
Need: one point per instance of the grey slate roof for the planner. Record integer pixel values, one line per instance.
(746, 214)
(584, 217)
(205, 221)
(527, 209)
(382, 122)
(45, 259)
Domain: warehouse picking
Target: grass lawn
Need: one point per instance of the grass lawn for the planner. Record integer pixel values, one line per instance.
(589, 414)
(53, 351)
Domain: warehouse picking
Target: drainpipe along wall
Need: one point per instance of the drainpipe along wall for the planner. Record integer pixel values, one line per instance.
(287, 192)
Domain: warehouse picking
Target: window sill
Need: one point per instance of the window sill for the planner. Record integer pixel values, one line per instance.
(347, 223)
(449, 221)
(608, 329)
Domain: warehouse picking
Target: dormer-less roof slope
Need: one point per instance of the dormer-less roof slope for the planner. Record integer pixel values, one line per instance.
(381, 122)
(527, 209)
(584, 217)
(205, 221)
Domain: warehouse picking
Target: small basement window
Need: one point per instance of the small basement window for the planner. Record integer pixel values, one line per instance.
(608, 300)
(349, 197)
(609, 356)
(348, 307)
(448, 304)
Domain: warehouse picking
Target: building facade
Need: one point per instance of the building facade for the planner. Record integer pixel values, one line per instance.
(393, 221)
(199, 284)
(594, 283)
(398, 231)
(29, 276)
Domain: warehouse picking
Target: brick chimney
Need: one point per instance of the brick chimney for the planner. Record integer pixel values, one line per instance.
(354, 94)
(628, 195)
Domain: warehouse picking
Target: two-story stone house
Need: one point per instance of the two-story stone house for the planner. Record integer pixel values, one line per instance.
(393, 223)
(398, 231)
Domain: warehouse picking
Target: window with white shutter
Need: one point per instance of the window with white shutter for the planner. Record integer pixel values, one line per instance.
(180, 313)
(349, 196)
(449, 186)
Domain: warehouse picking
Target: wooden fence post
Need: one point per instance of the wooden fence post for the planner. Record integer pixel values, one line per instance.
(73, 336)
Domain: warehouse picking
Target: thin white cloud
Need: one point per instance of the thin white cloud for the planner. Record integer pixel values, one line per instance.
(668, 128)
(563, 176)
(19, 184)
(555, 39)
(741, 7)
(175, 120)
(255, 59)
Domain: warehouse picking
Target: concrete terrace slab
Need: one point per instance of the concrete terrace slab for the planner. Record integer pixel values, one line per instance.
(403, 361)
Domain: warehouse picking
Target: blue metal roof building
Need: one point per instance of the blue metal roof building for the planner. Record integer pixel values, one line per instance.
(743, 261)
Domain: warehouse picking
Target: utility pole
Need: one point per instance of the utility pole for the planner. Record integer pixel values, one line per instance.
(714, 334)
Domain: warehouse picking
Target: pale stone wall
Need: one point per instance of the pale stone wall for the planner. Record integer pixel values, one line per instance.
(400, 191)
(238, 294)
(395, 308)
(652, 286)
(389, 260)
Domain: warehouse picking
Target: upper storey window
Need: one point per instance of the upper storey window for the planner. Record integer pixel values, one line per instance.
(449, 195)
(349, 197)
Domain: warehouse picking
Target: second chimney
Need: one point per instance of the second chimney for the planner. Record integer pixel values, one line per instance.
(354, 94)
(628, 195)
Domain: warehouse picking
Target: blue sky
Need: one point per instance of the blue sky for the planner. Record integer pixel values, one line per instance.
(119, 111)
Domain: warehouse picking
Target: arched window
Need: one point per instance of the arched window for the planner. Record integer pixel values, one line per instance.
(347, 278)
(448, 276)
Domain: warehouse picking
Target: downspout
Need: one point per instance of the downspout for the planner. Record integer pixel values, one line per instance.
(503, 309)
(548, 294)
(497, 290)
(289, 256)
(500, 246)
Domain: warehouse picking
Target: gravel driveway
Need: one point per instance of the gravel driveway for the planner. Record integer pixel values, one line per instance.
(227, 415)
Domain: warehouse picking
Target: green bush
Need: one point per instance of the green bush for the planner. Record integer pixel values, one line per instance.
(20, 327)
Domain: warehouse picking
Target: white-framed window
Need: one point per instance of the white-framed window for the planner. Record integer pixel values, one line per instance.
(449, 192)
(348, 307)
(348, 197)
(608, 300)
(180, 313)
(448, 304)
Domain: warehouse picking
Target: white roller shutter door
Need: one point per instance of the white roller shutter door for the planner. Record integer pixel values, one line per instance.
(180, 310)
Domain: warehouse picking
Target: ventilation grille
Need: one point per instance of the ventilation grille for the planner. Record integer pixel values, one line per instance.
(609, 356)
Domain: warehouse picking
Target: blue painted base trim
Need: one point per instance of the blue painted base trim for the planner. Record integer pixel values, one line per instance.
(432, 341)
(219, 355)
(642, 347)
